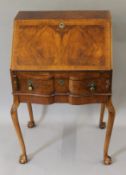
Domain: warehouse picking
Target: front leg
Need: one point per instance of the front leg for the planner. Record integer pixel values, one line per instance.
(14, 115)
(111, 117)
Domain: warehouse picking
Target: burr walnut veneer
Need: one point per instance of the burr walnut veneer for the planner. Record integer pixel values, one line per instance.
(62, 57)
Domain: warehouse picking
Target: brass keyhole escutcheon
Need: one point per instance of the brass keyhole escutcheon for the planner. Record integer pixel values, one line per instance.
(61, 82)
(61, 25)
(30, 85)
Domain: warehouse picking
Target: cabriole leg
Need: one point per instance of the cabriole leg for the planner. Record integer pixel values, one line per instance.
(14, 115)
(111, 117)
(102, 124)
(31, 123)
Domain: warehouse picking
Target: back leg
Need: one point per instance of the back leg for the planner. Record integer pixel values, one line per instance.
(31, 123)
(102, 124)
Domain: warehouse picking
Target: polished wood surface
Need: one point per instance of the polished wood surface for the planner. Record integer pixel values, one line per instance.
(62, 57)
(23, 157)
(111, 117)
(68, 85)
(62, 44)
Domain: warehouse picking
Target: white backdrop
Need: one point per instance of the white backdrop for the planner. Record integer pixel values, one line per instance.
(62, 113)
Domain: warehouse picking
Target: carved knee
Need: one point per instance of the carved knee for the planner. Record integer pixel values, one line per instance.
(13, 110)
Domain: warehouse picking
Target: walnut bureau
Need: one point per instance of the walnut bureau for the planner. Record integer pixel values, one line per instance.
(62, 57)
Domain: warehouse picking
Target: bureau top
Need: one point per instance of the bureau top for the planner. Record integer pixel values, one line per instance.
(62, 40)
(95, 14)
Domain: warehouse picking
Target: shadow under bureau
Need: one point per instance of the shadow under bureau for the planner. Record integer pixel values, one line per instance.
(62, 57)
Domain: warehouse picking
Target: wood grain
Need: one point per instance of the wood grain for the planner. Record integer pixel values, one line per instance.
(83, 44)
(47, 84)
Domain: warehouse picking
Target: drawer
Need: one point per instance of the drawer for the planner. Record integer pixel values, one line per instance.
(91, 83)
(59, 83)
(43, 83)
(33, 83)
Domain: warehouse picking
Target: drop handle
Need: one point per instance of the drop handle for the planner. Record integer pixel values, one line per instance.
(30, 85)
(30, 88)
(92, 87)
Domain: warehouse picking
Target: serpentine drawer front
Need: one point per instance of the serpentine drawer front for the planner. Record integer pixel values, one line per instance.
(68, 85)
(62, 57)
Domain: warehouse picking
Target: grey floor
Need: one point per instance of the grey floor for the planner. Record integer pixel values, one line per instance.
(66, 140)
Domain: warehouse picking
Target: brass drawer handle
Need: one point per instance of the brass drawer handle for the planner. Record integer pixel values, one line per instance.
(30, 85)
(61, 25)
(92, 87)
(61, 82)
